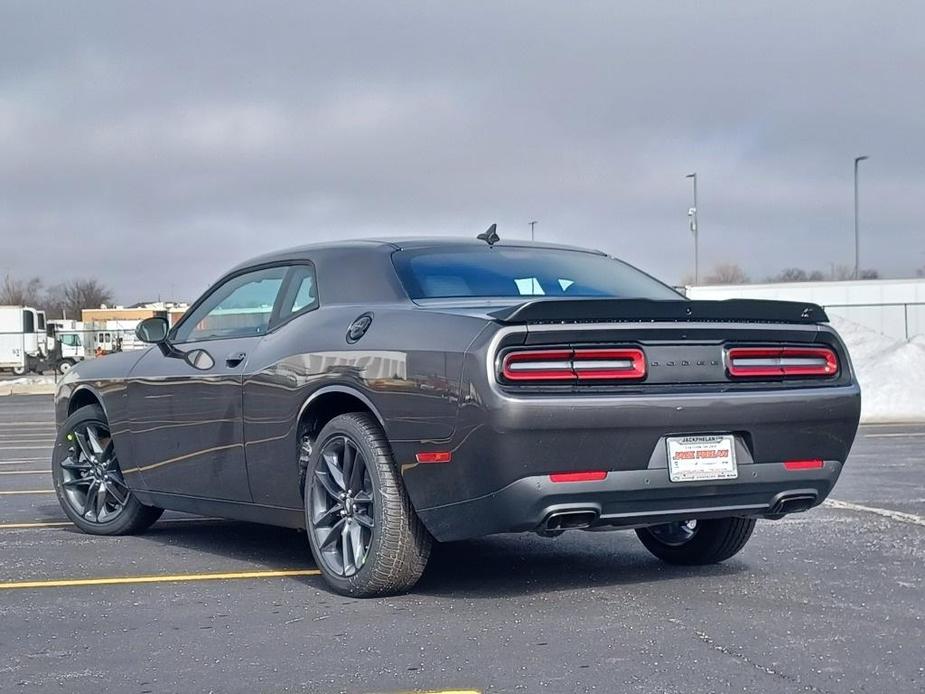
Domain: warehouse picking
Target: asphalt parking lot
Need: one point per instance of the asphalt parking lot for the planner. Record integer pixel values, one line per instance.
(828, 601)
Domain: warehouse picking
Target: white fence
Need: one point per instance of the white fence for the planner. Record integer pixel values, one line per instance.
(895, 308)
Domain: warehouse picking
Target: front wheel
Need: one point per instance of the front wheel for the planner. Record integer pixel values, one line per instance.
(19, 370)
(88, 479)
(364, 534)
(697, 541)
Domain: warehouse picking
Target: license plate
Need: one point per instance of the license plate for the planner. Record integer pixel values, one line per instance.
(699, 458)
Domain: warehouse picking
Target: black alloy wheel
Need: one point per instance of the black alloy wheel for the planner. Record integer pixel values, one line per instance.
(88, 479)
(342, 507)
(363, 531)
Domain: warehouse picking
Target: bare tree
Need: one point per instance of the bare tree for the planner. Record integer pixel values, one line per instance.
(16, 292)
(795, 274)
(870, 274)
(74, 296)
(790, 274)
(727, 273)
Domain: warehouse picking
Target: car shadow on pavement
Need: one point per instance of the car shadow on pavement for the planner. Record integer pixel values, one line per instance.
(264, 545)
(512, 565)
(491, 567)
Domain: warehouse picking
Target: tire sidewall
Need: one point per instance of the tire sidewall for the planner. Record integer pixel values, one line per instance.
(347, 426)
(705, 547)
(91, 414)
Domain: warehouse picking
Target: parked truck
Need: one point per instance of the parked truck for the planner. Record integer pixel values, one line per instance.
(66, 344)
(21, 341)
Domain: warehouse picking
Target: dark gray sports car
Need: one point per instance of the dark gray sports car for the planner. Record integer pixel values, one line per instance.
(382, 394)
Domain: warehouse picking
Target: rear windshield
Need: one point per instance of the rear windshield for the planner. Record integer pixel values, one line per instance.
(515, 272)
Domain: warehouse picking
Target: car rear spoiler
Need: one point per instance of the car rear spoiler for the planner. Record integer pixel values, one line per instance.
(619, 310)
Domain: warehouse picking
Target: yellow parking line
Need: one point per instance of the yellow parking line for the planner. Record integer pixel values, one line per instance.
(20, 526)
(28, 491)
(169, 578)
(64, 524)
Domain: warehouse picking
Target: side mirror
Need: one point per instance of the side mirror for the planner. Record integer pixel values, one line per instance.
(152, 330)
(199, 359)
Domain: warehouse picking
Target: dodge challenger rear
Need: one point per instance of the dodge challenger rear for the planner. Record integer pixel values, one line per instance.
(685, 420)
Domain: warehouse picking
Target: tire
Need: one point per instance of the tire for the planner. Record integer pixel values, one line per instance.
(19, 370)
(372, 508)
(63, 366)
(700, 542)
(83, 462)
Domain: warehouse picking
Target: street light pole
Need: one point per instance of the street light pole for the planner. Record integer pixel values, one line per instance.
(532, 224)
(692, 219)
(857, 237)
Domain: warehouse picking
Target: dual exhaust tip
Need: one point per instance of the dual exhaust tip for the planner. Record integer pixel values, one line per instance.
(793, 503)
(575, 519)
(583, 518)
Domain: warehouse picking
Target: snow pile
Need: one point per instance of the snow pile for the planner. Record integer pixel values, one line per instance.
(891, 373)
(34, 379)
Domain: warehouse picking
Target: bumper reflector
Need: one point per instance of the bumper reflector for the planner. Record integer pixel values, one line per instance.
(815, 464)
(591, 476)
(434, 457)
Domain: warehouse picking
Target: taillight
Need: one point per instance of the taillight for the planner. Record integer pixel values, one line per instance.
(606, 364)
(574, 365)
(777, 362)
(539, 366)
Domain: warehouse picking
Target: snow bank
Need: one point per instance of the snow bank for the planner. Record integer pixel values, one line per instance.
(35, 379)
(891, 373)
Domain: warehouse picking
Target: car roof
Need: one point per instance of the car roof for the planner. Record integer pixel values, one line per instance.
(388, 245)
(351, 272)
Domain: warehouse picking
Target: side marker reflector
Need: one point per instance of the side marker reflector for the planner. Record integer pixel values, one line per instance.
(434, 457)
(592, 476)
(815, 464)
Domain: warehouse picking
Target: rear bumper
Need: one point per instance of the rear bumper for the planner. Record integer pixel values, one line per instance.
(630, 498)
(501, 440)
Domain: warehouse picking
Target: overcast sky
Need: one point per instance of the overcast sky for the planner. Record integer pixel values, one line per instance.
(156, 144)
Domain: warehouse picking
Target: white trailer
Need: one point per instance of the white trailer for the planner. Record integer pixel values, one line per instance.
(20, 346)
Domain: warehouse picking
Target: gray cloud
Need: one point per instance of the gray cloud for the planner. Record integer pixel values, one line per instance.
(157, 144)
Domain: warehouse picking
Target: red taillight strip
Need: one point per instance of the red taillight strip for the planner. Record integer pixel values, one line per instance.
(550, 365)
(590, 476)
(756, 362)
(607, 364)
(574, 365)
(814, 464)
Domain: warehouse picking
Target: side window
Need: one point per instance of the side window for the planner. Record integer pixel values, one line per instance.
(301, 292)
(241, 307)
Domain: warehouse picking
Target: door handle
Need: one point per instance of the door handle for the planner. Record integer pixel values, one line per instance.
(235, 358)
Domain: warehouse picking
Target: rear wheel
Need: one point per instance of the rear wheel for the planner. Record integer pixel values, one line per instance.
(19, 370)
(697, 541)
(364, 534)
(88, 479)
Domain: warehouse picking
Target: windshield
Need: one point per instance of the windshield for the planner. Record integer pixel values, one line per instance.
(443, 273)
